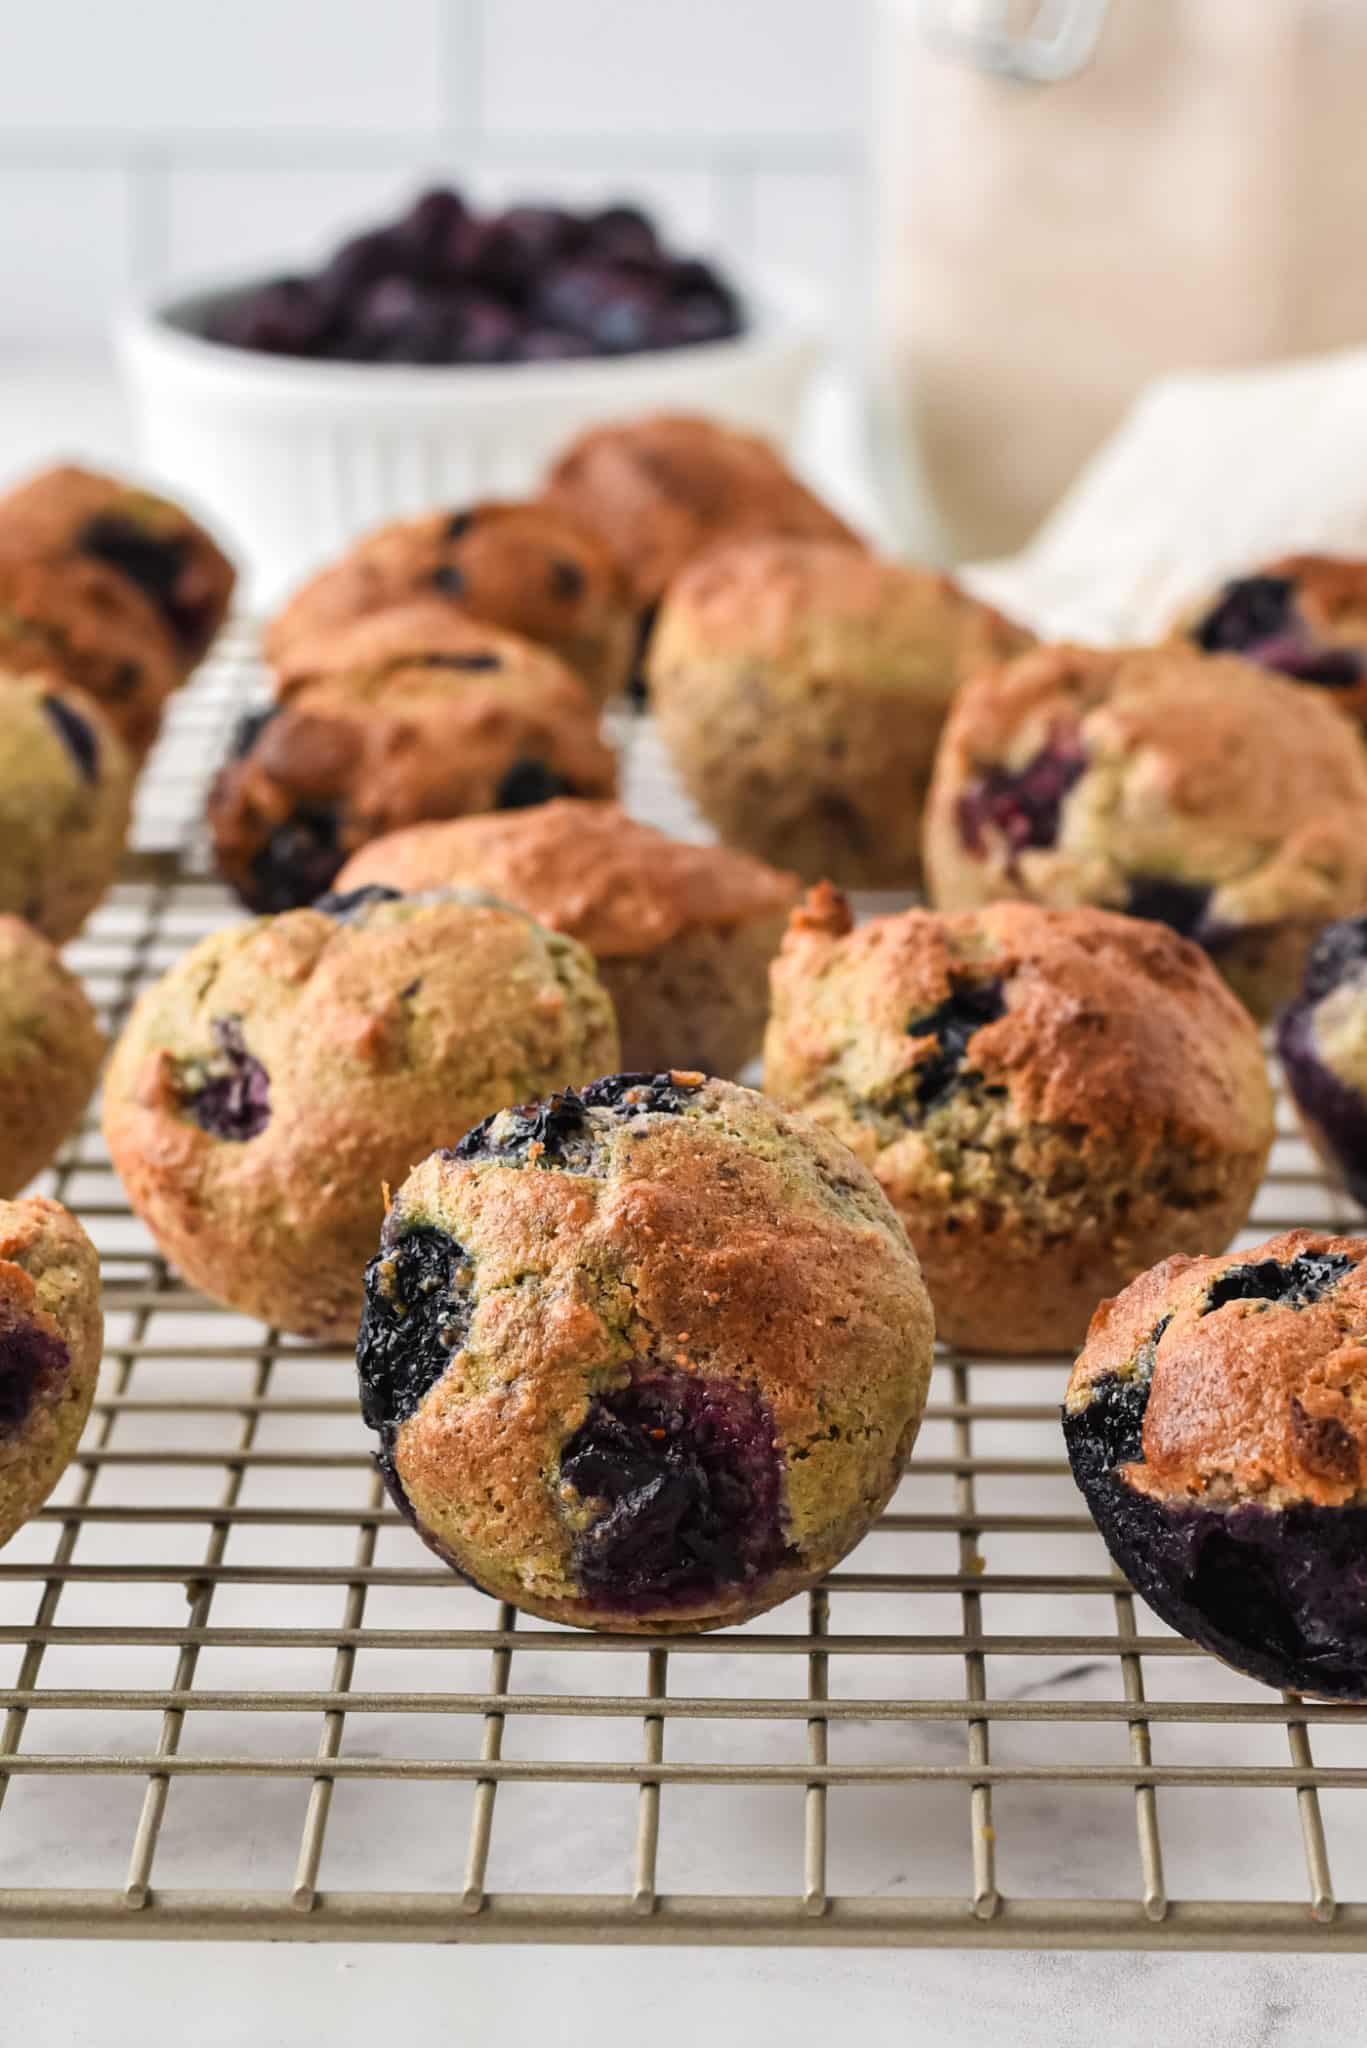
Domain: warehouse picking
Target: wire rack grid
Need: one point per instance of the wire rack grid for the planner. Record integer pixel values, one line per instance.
(241, 1701)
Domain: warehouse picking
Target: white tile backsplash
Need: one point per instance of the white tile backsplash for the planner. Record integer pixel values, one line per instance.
(181, 142)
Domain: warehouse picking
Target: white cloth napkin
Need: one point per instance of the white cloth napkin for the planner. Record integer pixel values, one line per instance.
(1210, 474)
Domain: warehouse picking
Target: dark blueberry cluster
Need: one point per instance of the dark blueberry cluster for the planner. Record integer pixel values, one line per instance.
(31, 1363)
(1293, 1283)
(417, 1312)
(529, 782)
(952, 1023)
(689, 1483)
(1256, 616)
(445, 284)
(1109, 1431)
(1023, 804)
(347, 905)
(77, 736)
(298, 861)
(230, 1095)
(629, 1095)
(156, 563)
(557, 1131)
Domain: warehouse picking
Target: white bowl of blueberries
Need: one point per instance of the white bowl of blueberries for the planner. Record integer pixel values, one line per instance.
(442, 357)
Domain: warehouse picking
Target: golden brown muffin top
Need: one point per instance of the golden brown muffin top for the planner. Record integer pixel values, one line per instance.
(1083, 1018)
(1203, 768)
(821, 608)
(149, 541)
(526, 567)
(1256, 1364)
(85, 624)
(618, 886)
(424, 633)
(659, 489)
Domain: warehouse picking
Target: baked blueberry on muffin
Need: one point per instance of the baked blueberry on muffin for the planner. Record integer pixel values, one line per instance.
(1214, 1422)
(646, 1357)
(1305, 616)
(50, 1052)
(282, 1073)
(659, 490)
(81, 623)
(682, 935)
(527, 568)
(66, 783)
(51, 1336)
(1196, 789)
(340, 764)
(801, 687)
(1322, 1043)
(1050, 1099)
(166, 556)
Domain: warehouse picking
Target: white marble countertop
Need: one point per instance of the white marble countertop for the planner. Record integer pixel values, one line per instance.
(112, 1994)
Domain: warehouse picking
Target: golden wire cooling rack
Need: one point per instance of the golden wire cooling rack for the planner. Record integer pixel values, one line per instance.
(241, 1701)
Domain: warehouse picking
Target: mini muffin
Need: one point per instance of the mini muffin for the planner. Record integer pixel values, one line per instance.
(339, 765)
(426, 632)
(682, 935)
(82, 623)
(1195, 789)
(50, 1052)
(1050, 1099)
(527, 568)
(155, 546)
(646, 1358)
(51, 1337)
(66, 784)
(282, 1073)
(1215, 1424)
(801, 687)
(1322, 1044)
(1305, 615)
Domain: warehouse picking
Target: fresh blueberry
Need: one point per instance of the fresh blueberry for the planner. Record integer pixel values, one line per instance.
(289, 317)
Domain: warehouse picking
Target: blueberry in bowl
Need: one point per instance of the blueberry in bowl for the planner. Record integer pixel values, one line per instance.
(1214, 1425)
(646, 1355)
(1322, 1045)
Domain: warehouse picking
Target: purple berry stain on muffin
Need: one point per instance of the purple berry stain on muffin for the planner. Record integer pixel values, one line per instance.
(229, 1094)
(1023, 805)
(77, 736)
(1335, 1109)
(155, 562)
(952, 1023)
(529, 781)
(32, 1363)
(684, 1484)
(1295, 1283)
(1256, 616)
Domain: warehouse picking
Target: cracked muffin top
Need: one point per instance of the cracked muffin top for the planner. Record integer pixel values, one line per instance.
(1242, 1378)
(524, 567)
(1197, 789)
(823, 614)
(659, 489)
(1303, 615)
(1094, 1024)
(659, 1259)
(155, 546)
(618, 886)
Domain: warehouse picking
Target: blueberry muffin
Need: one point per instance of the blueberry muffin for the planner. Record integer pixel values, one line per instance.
(343, 763)
(1322, 1044)
(801, 686)
(1195, 789)
(166, 556)
(66, 783)
(51, 1337)
(1305, 616)
(282, 1073)
(1049, 1099)
(649, 1357)
(50, 1052)
(425, 631)
(1215, 1424)
(84, 624)
(682, 935)
(527, 568)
